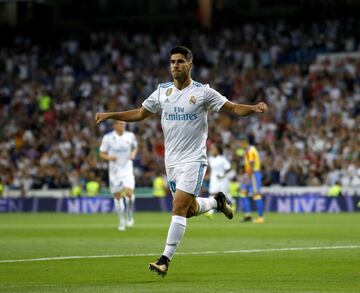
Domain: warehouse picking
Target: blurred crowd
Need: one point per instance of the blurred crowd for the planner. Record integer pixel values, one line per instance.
(50, 92)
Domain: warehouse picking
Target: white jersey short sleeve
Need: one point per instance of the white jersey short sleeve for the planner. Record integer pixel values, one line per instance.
(152, 103)
(121, 147)
(184, 119)
(214, 100)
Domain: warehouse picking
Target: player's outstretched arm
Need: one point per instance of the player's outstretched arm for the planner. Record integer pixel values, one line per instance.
(244, 110)
(127, 116)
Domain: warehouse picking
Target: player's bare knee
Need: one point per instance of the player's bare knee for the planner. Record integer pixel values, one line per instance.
(180, 208)
(179, 211)
(193, 209)
(181, 203)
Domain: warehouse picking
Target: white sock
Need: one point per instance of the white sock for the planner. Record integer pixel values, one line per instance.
(206, 204)
(174, 236)
(211, 212)
(130, 206)
(120, 209)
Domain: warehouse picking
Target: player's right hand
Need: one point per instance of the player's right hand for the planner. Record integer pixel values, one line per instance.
(261, 107)
(100, 117)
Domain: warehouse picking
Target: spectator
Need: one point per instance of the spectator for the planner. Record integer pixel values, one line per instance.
(315, 119)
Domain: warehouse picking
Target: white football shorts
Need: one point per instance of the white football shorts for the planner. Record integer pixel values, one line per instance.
(119, 183)
(186, 177)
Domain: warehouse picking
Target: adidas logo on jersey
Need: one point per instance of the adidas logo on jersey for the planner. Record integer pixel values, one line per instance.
(167, 101)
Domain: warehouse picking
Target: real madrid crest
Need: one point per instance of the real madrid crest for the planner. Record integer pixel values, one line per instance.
(192, 100)
(168, 92)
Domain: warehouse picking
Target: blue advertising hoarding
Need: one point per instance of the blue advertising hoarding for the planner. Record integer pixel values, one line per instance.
(86, 205)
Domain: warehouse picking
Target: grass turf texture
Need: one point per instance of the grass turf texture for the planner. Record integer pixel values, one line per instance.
(25, 236)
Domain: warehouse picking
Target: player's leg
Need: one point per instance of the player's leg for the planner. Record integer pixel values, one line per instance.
(202, 205)
(129, 208)
(116, 188)
(245, 202)
(185, 205)
(256, 183)
(185, 181)
(161, 265)
(181, 203)
(120, 209)
(189, 180)
(129, 186)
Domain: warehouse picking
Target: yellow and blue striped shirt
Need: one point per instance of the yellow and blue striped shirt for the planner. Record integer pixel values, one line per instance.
(252, 158)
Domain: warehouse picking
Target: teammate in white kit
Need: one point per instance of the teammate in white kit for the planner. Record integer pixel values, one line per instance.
(119, 147)
(184, 104)
(220, 171)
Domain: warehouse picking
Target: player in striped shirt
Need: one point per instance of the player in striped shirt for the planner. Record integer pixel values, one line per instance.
(251, 185)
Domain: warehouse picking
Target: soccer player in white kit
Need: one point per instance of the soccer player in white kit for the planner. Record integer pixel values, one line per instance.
(220, 170)
(119, 147)
(184, 105)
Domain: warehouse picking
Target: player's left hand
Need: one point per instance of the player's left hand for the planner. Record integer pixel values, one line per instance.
(261, 107)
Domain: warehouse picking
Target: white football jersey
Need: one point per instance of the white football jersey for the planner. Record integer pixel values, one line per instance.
(219, 165)
(120, 147)
(219, 181)
(184, 119)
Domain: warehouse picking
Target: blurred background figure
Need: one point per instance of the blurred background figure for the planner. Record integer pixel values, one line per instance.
(220, 169)
(119, 147)
(160, 189)
(334, 190)
(251, 185)
(92, 186)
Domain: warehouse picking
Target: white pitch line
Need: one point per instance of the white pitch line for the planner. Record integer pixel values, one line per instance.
(183, 253)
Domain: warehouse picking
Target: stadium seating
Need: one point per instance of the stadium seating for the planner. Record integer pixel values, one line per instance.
(49, 94)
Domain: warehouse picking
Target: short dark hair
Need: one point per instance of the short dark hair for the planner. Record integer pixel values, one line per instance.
(183, 51)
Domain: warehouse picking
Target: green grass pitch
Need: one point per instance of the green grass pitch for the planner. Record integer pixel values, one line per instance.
(215, 255)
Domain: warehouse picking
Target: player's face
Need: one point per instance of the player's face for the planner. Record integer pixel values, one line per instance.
(179, 66)
(119, 127)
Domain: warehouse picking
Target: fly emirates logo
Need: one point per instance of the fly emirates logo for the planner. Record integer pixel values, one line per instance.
(179, 114)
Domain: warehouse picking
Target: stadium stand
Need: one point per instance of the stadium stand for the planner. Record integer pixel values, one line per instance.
(49, 93)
